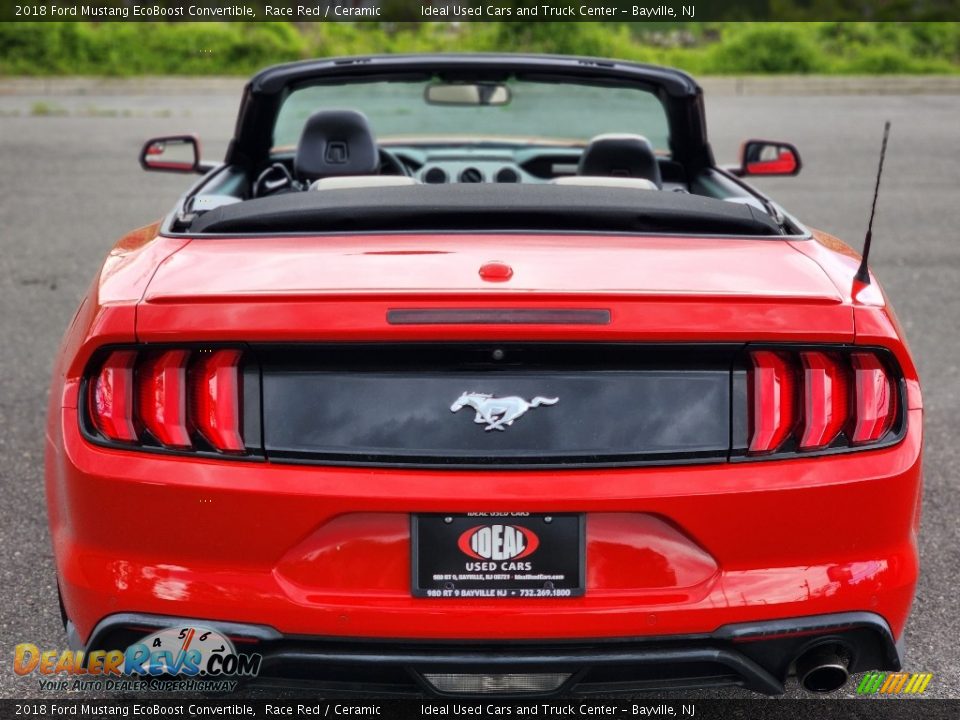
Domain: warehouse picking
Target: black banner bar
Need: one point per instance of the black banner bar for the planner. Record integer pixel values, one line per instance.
(531, 11)
(479, 707)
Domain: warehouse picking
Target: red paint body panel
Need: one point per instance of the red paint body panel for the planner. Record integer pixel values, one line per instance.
(666, 289)
(397, 265)
(325, 551)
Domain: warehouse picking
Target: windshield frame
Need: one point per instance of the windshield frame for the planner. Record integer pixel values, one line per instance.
(680, 95)
(518, 84)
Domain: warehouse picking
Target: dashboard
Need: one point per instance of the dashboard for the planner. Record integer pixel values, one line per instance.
(441, 165)
(493, 163)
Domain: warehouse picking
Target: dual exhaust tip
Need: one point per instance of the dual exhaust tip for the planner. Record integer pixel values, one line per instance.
(822, 669)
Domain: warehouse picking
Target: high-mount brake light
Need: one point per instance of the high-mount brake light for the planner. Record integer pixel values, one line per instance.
(874, 399)
(175, 398)
(771, 391)
(162, 397)
(111, 397)
(825, 399)
(817, 399)
(215, 399)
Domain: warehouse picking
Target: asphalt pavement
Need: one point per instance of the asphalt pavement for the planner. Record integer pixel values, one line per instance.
(70, 186)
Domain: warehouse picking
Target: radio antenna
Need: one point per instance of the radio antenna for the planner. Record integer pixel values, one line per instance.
(863, 273)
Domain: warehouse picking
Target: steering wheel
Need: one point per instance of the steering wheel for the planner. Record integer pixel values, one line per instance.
(278, 179)
(390, 164)
(275, 179)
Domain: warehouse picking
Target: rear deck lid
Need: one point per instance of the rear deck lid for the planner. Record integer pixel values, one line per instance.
(251, 268)
(345, 287)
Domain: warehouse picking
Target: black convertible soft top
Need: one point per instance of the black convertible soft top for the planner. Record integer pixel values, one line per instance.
(466, 208)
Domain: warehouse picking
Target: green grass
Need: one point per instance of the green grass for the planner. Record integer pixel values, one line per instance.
(701, 48)
(42, 108)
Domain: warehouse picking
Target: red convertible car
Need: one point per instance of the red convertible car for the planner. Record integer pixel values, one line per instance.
(476, 374)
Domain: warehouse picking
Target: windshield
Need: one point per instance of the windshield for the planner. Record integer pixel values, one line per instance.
(531, 112)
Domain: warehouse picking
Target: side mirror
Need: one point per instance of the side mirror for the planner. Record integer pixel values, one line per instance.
(769, 157)
(176, 153)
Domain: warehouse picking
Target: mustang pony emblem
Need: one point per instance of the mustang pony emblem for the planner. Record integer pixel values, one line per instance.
(496, 412)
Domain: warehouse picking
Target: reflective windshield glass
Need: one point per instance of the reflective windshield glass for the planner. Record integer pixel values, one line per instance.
(526, 112)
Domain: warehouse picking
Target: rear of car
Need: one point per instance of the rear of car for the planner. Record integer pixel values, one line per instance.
(608, 462)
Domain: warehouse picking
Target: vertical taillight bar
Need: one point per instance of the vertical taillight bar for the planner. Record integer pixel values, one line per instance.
(111, 396)
(771, 393)
(162, 397)
(825, 399)
(215, 385)
(874, 399)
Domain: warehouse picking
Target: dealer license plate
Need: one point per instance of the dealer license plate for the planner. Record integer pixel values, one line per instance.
(498, 555)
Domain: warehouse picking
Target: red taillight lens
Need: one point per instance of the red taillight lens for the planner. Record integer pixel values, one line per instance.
(170, 398)
(771, 389)
(874, 399)
(215, 406)
(825, 399)
(111, 397)
(162, 397)
(817, 398)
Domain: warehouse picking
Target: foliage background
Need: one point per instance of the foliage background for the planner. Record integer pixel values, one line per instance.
(67, 48)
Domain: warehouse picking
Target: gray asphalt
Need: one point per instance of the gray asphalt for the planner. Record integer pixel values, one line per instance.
(70, 185)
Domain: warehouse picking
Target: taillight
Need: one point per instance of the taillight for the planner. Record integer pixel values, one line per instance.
(824, 399)
(874, 399)
(816, 399)
(176, 398)
(215, 399)
(162, 397)
(111, 397)
(771, 391)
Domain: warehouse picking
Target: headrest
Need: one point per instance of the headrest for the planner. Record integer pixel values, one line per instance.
(336, 142)
(620, 156)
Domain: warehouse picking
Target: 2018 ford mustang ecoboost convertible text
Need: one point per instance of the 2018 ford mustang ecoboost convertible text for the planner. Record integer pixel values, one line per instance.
(476, 374)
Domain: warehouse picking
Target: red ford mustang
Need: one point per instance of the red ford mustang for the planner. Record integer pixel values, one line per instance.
(475, 374)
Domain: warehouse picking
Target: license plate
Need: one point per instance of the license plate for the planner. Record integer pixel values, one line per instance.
(487, 555)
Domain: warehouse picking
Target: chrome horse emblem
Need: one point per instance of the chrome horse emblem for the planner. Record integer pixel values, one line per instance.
(497, 413)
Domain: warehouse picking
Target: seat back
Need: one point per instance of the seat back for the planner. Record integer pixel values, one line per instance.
(628, 156)
(335, 143)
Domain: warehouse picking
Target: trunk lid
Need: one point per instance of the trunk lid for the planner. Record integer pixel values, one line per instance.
(209, 269)
(342, 287)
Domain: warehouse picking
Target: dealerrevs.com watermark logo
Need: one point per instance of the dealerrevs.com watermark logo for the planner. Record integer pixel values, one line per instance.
(900, 683)
(176, 659)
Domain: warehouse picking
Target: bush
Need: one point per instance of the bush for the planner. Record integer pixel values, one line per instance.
(701, 48)
(146, 48)
(767, 49)
(892, 61)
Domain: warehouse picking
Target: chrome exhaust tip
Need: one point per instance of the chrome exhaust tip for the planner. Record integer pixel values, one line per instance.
(822, 669)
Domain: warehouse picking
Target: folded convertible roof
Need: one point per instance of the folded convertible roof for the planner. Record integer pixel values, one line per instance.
(483, 207)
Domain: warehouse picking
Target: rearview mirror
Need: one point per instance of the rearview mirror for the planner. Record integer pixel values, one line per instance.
(467, 94)
(769, 157)
(177, 153)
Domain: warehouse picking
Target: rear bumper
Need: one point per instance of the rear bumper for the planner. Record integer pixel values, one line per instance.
(756, 656)
(325, 552)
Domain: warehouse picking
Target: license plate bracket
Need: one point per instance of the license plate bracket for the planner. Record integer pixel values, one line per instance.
(498, 555)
